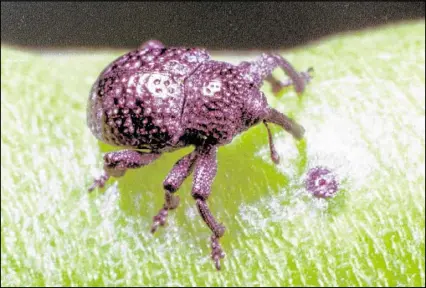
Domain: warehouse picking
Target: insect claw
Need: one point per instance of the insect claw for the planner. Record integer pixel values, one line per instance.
(217, 264)
(154, 227)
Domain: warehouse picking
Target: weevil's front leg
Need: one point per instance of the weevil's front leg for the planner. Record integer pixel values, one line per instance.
(117, 163)
(151, 44)
(180, 171)
(277, 85)
(262, 68)
(204, 174)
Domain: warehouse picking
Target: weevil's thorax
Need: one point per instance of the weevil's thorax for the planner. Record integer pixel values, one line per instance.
(221, 102)
(137, 101)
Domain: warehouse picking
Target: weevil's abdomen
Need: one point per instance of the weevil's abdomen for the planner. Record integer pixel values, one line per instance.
(137, 100)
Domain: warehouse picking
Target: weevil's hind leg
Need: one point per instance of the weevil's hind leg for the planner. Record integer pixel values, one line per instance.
(204, 174)
(285, 122)
(151, 44)
(277, 85)
(180, 171)
(117, 163)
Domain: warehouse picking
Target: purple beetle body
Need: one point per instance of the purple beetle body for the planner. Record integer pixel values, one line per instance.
(161, 99)
(138, 100)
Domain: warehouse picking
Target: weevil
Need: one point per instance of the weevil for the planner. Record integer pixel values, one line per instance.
(158, 99)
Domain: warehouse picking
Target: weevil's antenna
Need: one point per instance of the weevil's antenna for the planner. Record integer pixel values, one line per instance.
(274, 155)
(285, 122)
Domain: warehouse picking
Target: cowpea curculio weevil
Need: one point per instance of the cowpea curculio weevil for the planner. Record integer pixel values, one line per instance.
(159, 99)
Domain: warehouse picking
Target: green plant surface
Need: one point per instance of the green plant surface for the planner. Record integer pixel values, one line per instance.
(364, 115)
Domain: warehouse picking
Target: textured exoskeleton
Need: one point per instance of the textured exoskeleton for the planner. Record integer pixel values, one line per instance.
(161, 99)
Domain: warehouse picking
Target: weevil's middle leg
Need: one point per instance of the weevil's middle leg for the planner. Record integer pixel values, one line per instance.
(180, 171)
(204, 174)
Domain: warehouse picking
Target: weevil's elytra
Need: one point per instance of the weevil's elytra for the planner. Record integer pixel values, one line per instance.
(138, 99)
(161, 99)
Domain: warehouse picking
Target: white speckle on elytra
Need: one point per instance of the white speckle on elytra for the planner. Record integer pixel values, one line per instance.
(212, 87)
(158, 84)
(248, 77)
(131, 81)
(191, 58)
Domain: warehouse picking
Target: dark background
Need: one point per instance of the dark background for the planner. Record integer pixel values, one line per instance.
(214, 25)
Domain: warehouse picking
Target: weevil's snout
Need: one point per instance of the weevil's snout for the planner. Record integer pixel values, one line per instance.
(296, 130)
(286, 123)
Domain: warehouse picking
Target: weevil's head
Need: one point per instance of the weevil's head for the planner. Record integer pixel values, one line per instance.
(257, 109)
